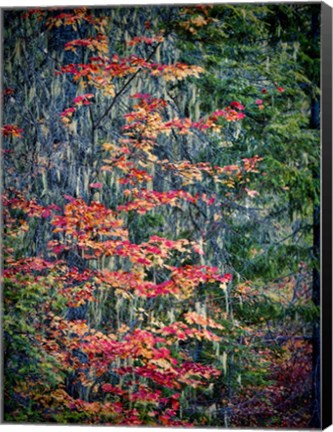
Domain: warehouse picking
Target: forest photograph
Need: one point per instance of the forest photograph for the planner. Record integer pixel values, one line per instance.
(161, 215)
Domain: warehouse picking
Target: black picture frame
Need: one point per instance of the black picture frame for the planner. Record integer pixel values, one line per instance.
(326, 217)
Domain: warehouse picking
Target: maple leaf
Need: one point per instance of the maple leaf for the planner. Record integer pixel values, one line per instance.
(237, 105)
(109, 388)
(98, 43)
(144, 39)
(146, 96)
(83, 99)
(39, 13)
(96, 185)
(251, 193)
(68, 112)
(8, 91)
(11, 130)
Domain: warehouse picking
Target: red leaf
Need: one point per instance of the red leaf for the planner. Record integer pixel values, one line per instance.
(237, 105)
(96, 185)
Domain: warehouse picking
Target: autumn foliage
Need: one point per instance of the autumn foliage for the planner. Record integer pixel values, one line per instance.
(111, 322)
